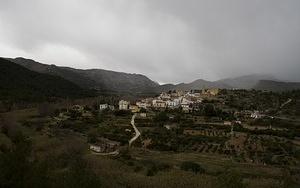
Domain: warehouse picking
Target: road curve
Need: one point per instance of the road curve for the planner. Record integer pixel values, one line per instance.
(137, 132)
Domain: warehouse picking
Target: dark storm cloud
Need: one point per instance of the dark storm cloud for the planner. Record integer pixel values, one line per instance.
(168, 40)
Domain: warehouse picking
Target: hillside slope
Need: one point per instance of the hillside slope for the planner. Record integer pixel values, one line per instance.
(19, 83)
(197, 84)
(99, 79)
(276, 86)
(245, 82)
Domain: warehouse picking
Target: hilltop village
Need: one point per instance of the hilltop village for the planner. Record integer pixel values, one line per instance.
(186, 101)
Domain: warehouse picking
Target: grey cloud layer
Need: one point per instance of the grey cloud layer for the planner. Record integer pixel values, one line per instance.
(168, 40)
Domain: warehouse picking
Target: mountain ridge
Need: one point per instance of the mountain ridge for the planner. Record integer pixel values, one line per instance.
(276, 86)
(120, 82)
(99, 79)
(19, 83)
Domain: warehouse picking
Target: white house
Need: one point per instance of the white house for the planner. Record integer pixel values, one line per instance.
(95, 148)
(159, 103)
(123, 105)
(255, 115)
(185, 105)
(103, 106)
(143, 115)
(173, 103)
(142, 104)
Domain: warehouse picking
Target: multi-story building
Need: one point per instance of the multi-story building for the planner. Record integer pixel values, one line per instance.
(175, 103)
(186, 105)
(103, 106)
(157, 103)
(123, 105)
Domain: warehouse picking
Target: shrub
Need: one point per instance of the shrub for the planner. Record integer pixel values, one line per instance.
(230, 179)
(122, 112)
(92, 137)
(138, 168)
(192, 166)
(161, 117)
(154, 167)
(151, 172)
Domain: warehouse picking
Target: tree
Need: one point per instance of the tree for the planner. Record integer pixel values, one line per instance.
(209, 110)
(143, 110)
(161, 117)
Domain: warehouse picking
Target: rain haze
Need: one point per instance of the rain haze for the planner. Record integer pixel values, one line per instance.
(169, 41)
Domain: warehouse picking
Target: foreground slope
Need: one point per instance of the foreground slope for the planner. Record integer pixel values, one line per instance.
(19, 83)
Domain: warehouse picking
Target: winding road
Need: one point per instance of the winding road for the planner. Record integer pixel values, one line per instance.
(137, 132)
(287, 102)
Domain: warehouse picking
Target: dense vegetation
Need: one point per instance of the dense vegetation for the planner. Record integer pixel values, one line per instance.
(20, 167)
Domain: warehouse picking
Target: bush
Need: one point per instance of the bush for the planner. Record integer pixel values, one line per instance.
(192, 166)
(125, 154)
(92, 137)
(230, 179)
(209, 110)
(161, 117)
(153, 167)
(151, 172)
(122, 113)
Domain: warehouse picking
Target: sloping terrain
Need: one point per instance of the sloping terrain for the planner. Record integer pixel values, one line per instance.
(276, 86)
(197, 84)
(247, 81)
(118, 82)
(19, 83)
(99, 79)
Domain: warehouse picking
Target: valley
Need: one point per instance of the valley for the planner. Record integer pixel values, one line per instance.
(219, 139)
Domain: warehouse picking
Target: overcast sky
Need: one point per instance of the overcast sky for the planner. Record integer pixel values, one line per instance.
(167, 40)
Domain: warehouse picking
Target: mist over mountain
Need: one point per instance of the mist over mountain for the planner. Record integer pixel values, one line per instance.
(197, 84)
(253, 81)
(276, 86)
(247, 81)
(118, 82)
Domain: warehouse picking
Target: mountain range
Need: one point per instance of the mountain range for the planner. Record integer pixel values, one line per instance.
(254, 81)
(20, 84)
(276, 86)
(105, 81)
(98, 79)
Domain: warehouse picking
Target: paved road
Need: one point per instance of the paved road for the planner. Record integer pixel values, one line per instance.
(287, 102)
(137, 132)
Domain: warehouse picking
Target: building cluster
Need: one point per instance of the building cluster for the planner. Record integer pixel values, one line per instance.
(172, 100)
